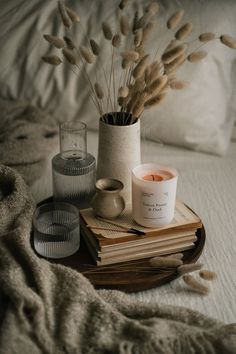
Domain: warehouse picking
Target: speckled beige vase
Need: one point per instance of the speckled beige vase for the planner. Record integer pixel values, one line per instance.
(118, 153)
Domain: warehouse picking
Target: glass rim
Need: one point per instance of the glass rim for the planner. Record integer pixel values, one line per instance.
(57, 206)
(72, 126)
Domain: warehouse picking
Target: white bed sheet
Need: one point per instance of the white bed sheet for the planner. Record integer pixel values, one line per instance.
(207, 184)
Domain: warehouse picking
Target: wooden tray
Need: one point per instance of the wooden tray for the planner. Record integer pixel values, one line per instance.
(129, 280)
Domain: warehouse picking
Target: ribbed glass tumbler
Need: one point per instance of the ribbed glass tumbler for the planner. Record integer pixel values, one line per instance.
(56, 230)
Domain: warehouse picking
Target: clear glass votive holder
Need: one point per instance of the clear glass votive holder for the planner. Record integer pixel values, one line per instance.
(56, 230)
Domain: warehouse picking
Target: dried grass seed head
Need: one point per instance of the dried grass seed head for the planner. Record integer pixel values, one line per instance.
(178, 84)
(52, 59)
(154, 101)
(70, 56)
(55, 41)
(87, 54)
(63, 13)
(131, 55)
(175, 64)
(142, 21)
(140, 67)
(173, 53)
(73, 15)
(116, 40)
(123, 91)
(152, 9)
(175, 19)
(206, 37)
(197, 56)
(124, 25)
(126, 63)
(69, 43)
(228, 41)
(107, 31)
(156, 86)
(195, 284)
(207, 275)
(95, 47)
(98, 90)
(184, 31)
(188, 268)
(165, 262)
(138, 37)
(135, 21)
(147, 30)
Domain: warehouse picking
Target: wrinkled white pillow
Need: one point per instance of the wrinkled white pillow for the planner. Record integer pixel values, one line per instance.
(200, 117)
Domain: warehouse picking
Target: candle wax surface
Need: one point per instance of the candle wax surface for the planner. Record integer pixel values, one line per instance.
(158, 176)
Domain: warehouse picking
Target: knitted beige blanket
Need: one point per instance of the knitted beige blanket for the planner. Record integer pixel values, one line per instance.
(48, 308)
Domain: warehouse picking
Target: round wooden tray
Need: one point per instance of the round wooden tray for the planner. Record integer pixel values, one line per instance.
(129, 280)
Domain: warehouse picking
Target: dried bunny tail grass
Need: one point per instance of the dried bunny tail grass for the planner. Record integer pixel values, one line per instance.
(154, 101)
(124, 25)
(73, 15)
(98, 91)
(122, 4)
(55, 41)
(228, 41)
(188, 268)
(138, 37)
(126, 63)
(207, 275)
(152, 9)
(175, 64)
(95, 47)
(116, 40)
(197, 56)
(206, 37)
(123, 91)
(195, 285)
(138, 110)
(165, 262)
(143, 21)
(135, 22)
(64, 15)
(178, 84)
(147, 74)
(173, 53)
(184, 31)
(141, 51)
(52, 59)
(139, 85)
(123, 101)
(107, 31)
(87, 54)
(176, 255)
(140, 67)
(156, 86)
(69, 43)
(175, 19)
(130, 55)
(70, 56)
(147, 30)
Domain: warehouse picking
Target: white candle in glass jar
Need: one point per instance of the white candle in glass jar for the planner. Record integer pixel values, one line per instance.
(153, 194)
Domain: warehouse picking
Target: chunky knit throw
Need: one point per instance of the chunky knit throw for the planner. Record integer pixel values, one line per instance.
(49, 308)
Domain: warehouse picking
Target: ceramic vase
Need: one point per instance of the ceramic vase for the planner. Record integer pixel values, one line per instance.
(118, 153)
(107, 202)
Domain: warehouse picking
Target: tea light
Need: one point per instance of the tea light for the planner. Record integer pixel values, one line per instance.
(153, 194)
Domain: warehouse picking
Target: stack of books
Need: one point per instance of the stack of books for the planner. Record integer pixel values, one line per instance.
(111, 242)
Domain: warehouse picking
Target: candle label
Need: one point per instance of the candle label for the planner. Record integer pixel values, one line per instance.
(154, 205)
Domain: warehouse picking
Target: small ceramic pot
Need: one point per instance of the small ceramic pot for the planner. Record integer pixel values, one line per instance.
(107, 202)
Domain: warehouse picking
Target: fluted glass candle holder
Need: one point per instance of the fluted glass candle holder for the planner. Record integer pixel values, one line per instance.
(74, 169)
